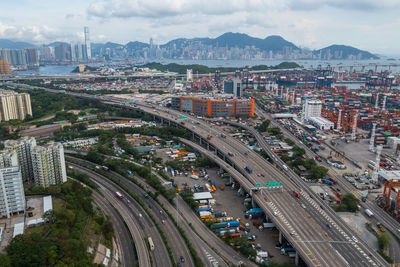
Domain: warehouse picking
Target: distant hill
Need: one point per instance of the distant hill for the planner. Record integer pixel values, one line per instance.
(5, 43)
(343, 52)
(272, 43)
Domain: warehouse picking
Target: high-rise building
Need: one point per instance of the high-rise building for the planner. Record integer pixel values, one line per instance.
(14, 106)
(233, 86)
(12, 198)
(4, 68)
(49, 164)
(23, 148)
(228, 86)
(8, 158)
(312, 108)
(87, 43)
(32, 57)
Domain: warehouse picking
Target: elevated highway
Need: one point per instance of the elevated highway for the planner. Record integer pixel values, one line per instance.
(317, 245)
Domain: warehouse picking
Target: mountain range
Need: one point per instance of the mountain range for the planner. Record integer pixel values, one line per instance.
(271, 44)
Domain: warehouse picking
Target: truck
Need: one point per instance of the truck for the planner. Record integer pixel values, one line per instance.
(220, 214)
(248, 169)
(326, 181)
(287, 250)
(205, 213)
(296, 194)
(364, 197)
(203, 209)
(105, 168)
(255, 210)
(369, 213)
(333, 180)
(268, 225)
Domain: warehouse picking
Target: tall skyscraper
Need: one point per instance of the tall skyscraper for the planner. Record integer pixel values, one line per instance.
(49, 164)
(23, 148)
(87, 43)
(14, 106)
(12, 198)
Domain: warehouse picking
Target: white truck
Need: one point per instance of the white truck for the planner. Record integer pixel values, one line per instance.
(369, 212)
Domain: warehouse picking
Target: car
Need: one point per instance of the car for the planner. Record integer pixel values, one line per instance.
(311, 196)
(178, 264)
(322, 207)
(262, 175)
(291, 233)
(182, 259)
(329, 225)
(163, 221)
(161, 212)
(140, 215)
(354, 239)
(275, 213)
(303, 206)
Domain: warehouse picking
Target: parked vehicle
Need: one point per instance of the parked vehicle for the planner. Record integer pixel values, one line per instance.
(368, 212)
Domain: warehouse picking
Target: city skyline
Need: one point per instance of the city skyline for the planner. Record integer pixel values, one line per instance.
(367, 25)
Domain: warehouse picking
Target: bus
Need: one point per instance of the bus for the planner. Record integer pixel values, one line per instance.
(151, 244)
(119, 195)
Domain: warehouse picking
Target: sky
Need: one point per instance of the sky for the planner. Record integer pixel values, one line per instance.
(371, 25)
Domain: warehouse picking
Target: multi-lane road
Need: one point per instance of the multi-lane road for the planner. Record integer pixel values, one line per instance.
(384, 217)
(319, 245)
(138, 222)
(312, 239)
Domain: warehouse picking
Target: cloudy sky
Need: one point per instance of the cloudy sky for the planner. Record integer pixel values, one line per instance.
(366, 24)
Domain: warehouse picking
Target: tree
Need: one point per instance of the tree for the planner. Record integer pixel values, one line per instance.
(5, 261)
(350, 202)
(317, 172)
(95, 157)
(383, 241)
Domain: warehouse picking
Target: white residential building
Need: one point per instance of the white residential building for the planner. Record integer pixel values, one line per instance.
(23, 147)
(12, 198)
(49, 164)
(8, 158)
(14, 106)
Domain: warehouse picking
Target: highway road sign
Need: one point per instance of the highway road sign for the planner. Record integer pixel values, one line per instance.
(257, 185)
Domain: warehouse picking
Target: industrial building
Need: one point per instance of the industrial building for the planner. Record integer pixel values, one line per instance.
(233, 86)
(14, 106)
(12, 198)
(312, 114)
(213, 108)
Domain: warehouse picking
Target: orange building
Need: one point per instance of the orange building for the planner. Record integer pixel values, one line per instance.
(213, 108)
(4, 68)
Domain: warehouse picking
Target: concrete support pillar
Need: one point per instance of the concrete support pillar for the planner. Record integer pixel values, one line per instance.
(296, 259)
(252, 201)
(230, 179)
(208, 146)
(200, 141)
(280, 237)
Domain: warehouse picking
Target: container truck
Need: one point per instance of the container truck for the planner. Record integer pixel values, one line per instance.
(220, 214)
(328, 182)
(224, 230)
(205, 213)
(219, 225)
(255, 210)
(364, 197)
(203, 209)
